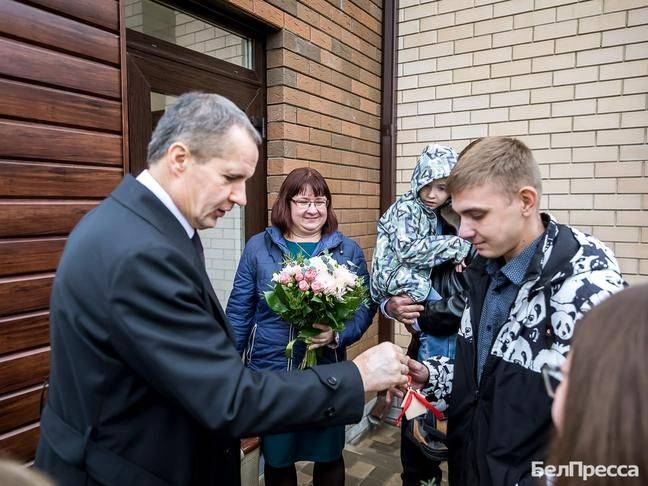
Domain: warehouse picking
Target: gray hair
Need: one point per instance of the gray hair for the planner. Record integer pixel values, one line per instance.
(199, 120)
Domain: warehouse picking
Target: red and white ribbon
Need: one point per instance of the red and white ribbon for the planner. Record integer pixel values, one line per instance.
(413, 394)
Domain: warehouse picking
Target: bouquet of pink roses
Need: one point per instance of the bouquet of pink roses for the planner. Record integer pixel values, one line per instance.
(315, 290)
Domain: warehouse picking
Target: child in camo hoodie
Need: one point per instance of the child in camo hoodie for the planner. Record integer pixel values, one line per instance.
(412, 240)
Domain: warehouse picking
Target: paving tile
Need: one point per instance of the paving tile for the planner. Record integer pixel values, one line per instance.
(360, 469)
(385, 439)
(306, 467)
(387, 449)
(352, 481)
(395, 480)
(381, 474)
(304, 479)
(373, 460)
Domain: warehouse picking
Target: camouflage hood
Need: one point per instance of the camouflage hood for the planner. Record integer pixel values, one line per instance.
(435, 162)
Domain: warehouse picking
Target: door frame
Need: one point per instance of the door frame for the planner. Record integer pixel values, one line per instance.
(150, 60)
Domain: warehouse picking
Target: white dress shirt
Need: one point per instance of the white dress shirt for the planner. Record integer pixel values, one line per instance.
(148, 181)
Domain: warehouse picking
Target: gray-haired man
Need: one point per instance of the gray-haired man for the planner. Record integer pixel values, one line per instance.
(146, 385)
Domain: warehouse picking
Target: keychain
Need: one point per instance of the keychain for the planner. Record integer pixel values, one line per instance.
(415, 404)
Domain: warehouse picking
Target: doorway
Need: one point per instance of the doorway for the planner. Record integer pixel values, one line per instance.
(172, 50)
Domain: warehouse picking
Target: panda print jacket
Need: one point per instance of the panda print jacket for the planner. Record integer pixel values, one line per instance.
(497, 427)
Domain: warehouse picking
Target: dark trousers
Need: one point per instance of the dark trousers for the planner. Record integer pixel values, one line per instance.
(416, 467)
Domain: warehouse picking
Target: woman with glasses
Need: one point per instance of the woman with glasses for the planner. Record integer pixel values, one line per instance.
(601, 394)
(303, 222)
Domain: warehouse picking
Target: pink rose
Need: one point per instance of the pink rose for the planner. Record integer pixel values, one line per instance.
(303, 285)
(299, 276)
(284, 278)
(310, 275)
(317, 287)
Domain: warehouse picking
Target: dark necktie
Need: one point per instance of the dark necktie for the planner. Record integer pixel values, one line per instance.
(197, 244)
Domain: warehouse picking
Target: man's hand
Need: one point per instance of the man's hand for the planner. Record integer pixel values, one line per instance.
(420, 377)
(403, 309)
(323, 338)
(419, 373)
(382, 367)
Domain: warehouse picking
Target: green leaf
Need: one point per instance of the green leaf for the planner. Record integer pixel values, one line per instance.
(274, 302)
(289, 348)
(308, 332)
(333, 322)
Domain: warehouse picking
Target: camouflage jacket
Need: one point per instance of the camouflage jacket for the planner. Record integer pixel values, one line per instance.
(408, 246)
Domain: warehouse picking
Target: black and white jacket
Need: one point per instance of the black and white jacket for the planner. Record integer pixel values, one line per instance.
(497, 427)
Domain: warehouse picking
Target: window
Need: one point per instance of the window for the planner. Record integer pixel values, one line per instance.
(173, 26)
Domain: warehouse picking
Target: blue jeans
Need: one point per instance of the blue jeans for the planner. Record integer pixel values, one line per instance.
(436, 346)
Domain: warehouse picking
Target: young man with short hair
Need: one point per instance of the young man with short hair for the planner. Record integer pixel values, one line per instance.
(533, 279)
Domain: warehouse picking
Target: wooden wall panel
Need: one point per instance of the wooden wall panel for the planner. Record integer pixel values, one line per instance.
(104, 13)
(25, 369)
(20, 60)
(20, 408)
(20, 444)
(56, 106)
(40, 218)
(62, 128)
(18, 179)
(48, 29)
(24, 331)
(37, 141)
(25, 294)
(29, 255)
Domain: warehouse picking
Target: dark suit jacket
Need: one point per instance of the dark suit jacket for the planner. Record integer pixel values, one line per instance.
(146, 386)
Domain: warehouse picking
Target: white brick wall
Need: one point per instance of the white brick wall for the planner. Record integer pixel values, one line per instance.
(568, 78)
(207, 39)
(223, 246)
(150, 18)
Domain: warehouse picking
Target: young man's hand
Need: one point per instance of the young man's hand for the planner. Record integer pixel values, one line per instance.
(419, 373)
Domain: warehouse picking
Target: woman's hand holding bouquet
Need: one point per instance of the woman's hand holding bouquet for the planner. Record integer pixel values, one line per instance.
(316, 295)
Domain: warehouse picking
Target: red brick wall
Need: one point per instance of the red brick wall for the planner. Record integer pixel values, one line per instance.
(324, 68)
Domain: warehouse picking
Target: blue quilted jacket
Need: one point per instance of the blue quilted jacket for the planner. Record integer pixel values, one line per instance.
(261, 336)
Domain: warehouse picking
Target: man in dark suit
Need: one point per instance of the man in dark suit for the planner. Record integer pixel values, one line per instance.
(146, 386)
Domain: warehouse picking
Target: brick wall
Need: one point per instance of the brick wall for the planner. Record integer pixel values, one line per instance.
(568, 78)
(208, 39)
(324, 67)
(323, 108)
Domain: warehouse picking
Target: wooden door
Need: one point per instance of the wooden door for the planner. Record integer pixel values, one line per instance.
(156, 67)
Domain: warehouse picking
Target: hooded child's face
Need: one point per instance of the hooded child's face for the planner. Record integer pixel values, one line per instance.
(434, 194)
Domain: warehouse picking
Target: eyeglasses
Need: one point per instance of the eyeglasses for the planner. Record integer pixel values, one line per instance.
(552, 376)
(305, 203)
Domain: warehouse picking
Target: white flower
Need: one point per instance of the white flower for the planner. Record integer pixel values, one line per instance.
(327, 282)
(291, 269)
